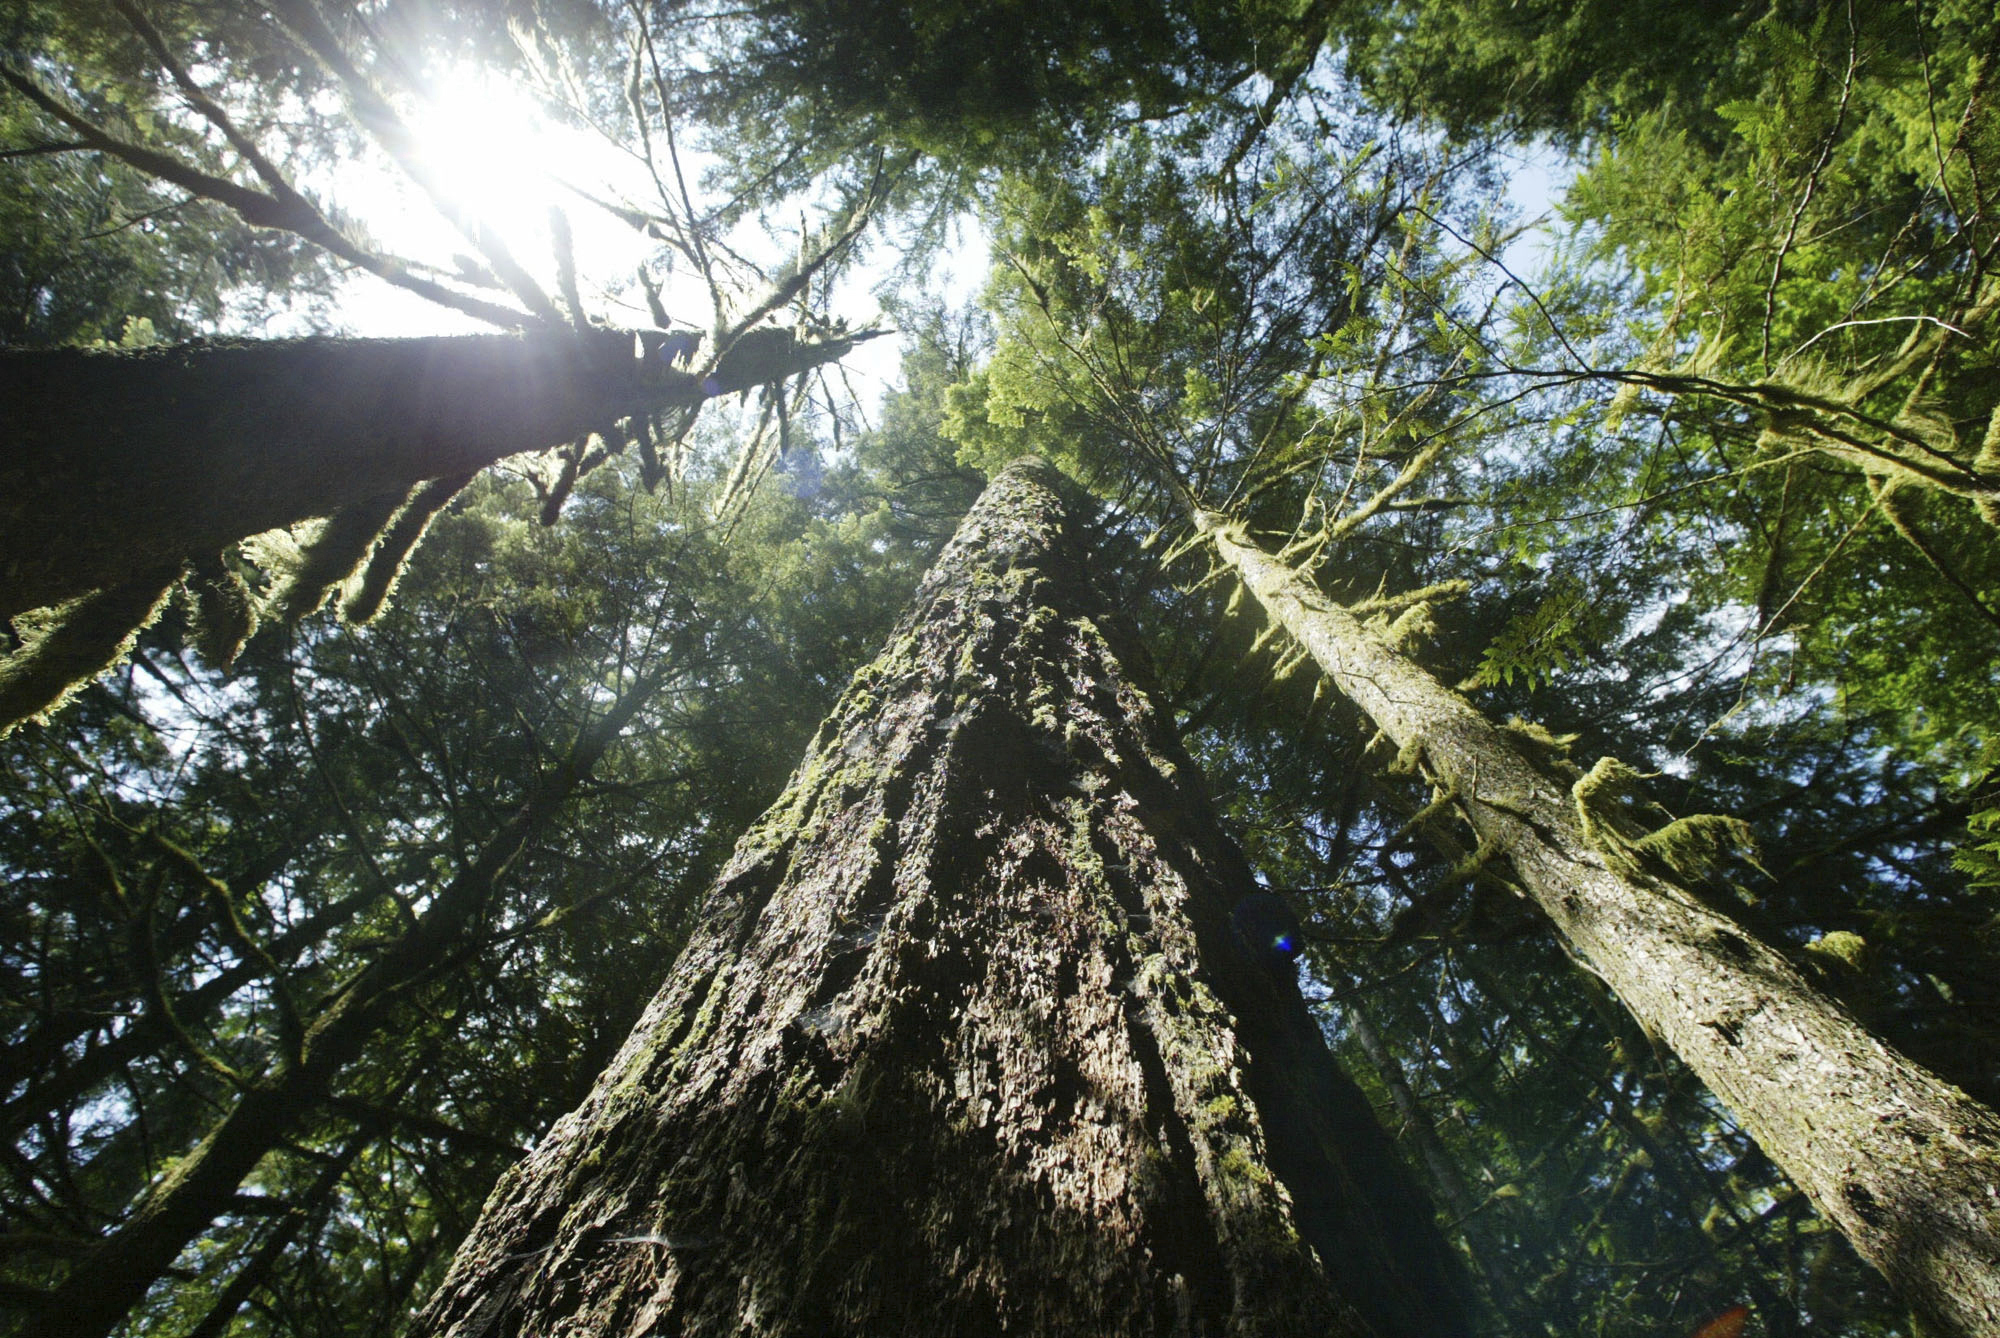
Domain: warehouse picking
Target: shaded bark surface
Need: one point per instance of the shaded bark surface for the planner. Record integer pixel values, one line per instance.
(121, 460)
(1906, 1165)
(965, 1043)
(118, 462)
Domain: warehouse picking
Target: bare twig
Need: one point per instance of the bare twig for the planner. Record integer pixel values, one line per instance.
(372, 110)
(1812, 182)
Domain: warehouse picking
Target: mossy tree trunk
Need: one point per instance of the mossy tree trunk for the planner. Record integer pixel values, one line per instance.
(121, 461)
(966, 1042)
(118, 463)
(1905, 1164)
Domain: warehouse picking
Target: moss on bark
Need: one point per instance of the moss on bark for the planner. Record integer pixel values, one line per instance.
(1906, 1165)
(966, 1043)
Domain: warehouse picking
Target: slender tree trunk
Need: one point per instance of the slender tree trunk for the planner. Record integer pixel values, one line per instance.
(117, 463)
(1441, 1171)
(1905, 1164)
(966, 1042)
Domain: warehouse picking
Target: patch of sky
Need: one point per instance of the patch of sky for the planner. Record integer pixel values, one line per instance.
(508, 162)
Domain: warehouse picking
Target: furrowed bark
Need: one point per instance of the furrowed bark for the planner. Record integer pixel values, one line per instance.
(119, 462)
(965, 1042)
(1903, 1163)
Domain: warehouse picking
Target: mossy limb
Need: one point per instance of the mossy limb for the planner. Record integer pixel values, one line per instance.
(321, 555)
(66, 647)
(221, 611)
(368, 590)
(1609, 803)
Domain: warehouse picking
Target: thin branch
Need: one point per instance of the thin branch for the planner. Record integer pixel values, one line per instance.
(691, 233)
(35, 150)
(240, 937)
(199, 99)
(295, 214)
(375, 114)
(1812, 182)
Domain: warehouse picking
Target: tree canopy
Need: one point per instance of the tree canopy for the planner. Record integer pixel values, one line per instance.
(391, 817)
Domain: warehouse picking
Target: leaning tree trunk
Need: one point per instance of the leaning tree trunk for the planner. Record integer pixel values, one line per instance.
(128, 473)
(124, 461)
(1904, 1163)
(121, 463)
(967, 1042)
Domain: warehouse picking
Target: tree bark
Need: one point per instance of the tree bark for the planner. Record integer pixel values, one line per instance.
(122, 462)
(965, 1042)
(1905, 1164)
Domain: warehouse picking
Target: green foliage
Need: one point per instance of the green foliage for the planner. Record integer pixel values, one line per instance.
(1980, 857)
(974, 82)
(92, 250)
(333, 785)
(1637, 473)
(1539, 643)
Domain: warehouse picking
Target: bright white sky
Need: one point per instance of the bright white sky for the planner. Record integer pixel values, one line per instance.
(503, 158)
(488, 138)
(488, 141)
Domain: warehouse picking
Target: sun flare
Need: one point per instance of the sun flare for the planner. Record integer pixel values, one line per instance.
(493, 153)
(489, 164)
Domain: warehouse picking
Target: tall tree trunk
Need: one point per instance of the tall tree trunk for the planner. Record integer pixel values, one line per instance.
(967, 1041)
(1905, 1164)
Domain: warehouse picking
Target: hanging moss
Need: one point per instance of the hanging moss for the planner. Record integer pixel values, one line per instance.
(221, 611)
(558, 492)
(1549, 751)
(650, 472)
(66, 647)
(1429, 594)
(1413, 624)
(1987, 462)
(368, 590)
(1699, 844)
(322, 556)
(1842, 949)
(1610, 807)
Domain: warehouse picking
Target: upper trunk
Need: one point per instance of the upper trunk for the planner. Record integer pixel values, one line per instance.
(966, 1042)
(1905, 1164)
(118, 463)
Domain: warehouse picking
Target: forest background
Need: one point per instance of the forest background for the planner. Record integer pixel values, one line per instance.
(1711, 490)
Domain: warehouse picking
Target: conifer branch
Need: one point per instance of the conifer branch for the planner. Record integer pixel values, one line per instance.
(294, 213)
